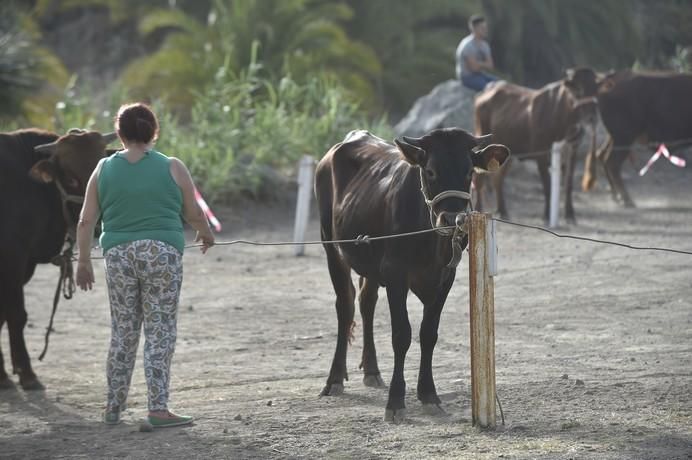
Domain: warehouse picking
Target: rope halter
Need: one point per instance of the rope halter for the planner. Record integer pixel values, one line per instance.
(66, 198)
(431, 203)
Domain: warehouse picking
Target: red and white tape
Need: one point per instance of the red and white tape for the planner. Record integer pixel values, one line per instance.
(207, 211)
(663, 150)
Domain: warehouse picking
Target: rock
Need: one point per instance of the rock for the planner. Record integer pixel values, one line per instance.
(449, 104)
(564, 377)
(579, 383)
(238, 417)
(269, 403)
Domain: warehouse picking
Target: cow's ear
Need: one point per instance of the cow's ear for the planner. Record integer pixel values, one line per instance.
(491, 158)
(412, 152)
(606, 84)
(43, 171)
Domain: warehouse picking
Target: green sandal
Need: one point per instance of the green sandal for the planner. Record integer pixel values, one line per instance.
(171, 420)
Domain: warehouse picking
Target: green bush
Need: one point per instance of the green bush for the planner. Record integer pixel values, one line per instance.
(246, 134)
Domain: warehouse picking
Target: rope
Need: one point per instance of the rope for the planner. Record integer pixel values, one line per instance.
(65, 284)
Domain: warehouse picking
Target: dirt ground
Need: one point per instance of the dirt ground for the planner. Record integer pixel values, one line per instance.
(593, 348)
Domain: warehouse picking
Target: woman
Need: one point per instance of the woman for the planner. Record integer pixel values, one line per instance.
(140, 195)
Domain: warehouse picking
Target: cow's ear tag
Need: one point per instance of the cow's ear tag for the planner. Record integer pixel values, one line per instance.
(42, 172)
(493, 165)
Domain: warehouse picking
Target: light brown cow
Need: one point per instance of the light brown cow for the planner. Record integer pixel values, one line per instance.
(529, 121)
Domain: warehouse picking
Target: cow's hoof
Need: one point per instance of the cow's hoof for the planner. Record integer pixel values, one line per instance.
(335, 389)
(435, 410)
(6, 383)
(395, 416)
(373, 381)
(32, 384)
(629, 204)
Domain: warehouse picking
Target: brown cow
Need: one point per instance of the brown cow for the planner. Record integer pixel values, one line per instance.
(529, 121)
(41, 179)
(366, 186)
(652, 107)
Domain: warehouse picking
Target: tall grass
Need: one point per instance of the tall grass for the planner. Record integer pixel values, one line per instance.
(246, 133)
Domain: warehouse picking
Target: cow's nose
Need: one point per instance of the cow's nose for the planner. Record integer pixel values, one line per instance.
(447, 219)
(460, 219)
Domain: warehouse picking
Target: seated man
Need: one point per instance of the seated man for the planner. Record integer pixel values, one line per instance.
(473, 56)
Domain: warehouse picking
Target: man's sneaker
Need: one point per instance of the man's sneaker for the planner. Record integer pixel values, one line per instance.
(169, 420)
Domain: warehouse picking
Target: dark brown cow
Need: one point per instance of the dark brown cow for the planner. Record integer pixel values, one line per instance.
(639, 107)
(40, 177)
(366, 186)
(529, 121)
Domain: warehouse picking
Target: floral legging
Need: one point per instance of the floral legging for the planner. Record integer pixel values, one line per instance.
(144, 279)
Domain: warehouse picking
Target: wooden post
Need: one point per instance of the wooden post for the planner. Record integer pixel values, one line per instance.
(555, 172)
(482, 259)
(305, 184)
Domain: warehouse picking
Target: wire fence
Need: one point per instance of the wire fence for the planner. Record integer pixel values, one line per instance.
(614, 148)
(365, 239)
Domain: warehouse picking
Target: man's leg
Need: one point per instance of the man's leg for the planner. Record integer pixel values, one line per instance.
(474, 81)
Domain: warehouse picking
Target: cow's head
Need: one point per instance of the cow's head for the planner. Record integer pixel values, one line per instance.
(447, 159)
(582, 85)
(606, 82)
(69, 161)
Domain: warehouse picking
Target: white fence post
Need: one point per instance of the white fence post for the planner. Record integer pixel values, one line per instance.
(482, 267)
(555, 172)
(305, 180)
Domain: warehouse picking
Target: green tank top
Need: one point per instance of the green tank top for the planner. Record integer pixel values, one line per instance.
(139, 201)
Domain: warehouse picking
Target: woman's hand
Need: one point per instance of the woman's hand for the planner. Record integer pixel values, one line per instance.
(207, 239)
(85, 275)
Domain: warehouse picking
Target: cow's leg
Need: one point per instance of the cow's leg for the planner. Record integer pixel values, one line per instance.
(433, 299)
(603, 159)
(498, 179)
(401, 340)
(367, 299)
(340, 274)
(5, 381)
(16, 318)
(569, 176)
(542, 164)
(613, 168)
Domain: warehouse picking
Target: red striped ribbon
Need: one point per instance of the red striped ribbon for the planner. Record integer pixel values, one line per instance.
(207, 211)
(663, 150)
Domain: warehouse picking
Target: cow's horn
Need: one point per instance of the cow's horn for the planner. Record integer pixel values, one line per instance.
(415, 141)
(482, 141)
(76, 131)
(109, 137)
(45, 148)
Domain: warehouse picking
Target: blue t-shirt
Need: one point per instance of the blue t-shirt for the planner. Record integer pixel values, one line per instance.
(477, 48)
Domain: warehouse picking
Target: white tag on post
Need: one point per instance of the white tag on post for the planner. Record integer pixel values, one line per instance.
(491, 248)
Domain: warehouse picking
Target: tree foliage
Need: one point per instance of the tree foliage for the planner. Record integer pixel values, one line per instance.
(534, 41)
(300, 38)
(24, 66)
